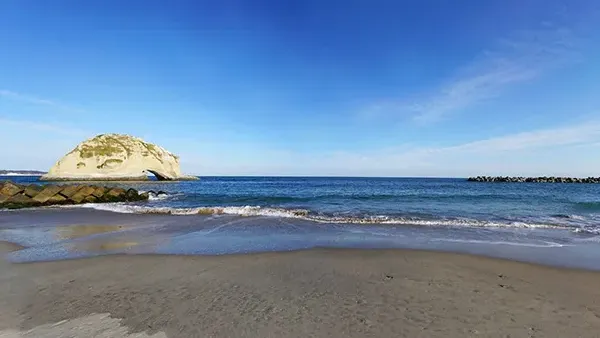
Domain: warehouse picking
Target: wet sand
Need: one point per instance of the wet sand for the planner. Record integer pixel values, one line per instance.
(317, 293)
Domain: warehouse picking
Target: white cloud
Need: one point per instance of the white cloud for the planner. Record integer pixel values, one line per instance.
(45, 127)
(521, 58)
(518, 59)
(35, 100)
(553, 151)
(564, 136)
(565, 150)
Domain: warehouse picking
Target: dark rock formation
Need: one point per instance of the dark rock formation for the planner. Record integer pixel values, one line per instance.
(15, 196)
(541, 179)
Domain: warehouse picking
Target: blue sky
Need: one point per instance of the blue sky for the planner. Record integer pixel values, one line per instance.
(358, 88)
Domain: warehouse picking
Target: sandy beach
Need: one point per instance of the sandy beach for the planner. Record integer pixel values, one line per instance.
(317, 293)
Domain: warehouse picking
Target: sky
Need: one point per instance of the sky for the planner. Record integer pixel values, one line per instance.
(308, 87)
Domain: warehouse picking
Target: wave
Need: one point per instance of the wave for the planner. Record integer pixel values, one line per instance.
(587, 231)
(570, 216)
(544, 244)
(249, 211)
(157, 196)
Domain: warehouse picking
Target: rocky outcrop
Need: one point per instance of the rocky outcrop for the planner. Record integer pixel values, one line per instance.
(115, 157)
(541, 179)
(15, 196)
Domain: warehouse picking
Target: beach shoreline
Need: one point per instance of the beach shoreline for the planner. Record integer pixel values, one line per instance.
(320, 292)
(67, 233)
(8, 247)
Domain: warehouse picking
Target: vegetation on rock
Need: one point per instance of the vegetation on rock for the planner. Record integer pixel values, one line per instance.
(109, 157)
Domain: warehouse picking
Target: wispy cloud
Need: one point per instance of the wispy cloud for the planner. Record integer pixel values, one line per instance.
(522, 57)
(518, 59)
(565, 136)
(36, 126)
(36, 100)
(545, 151)
(35, 145)
(561, 150)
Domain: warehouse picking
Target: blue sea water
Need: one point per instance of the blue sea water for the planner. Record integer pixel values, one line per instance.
(547, 223)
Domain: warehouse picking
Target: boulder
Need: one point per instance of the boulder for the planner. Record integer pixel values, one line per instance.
(20, 201)
(70, 190)
(47, 192)
(114, 195)
(81, 194)
(116, 157)
(132, 195)
(32, 190)
(9, 189)
(90, 199)
(99, 192)
(63, 194)
(57, 200)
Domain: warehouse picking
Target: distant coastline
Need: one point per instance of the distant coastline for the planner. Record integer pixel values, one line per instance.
(21, 173)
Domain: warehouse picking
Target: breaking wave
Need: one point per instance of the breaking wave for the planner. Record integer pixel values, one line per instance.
(250, 211)
(153, 196)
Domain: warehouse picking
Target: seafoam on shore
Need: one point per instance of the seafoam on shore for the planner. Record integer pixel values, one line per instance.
(64, 233)
(556, 224)
(307, 215)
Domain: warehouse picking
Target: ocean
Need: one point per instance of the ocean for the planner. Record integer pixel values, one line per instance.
(549, 223)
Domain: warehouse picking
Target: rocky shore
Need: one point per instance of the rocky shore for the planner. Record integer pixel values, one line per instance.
(541, 179)
(15, 196)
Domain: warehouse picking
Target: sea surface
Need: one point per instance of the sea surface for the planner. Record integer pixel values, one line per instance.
(549, 223)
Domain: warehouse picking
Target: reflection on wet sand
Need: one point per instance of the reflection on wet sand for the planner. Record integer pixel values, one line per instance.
(78, 231)
(103, 244)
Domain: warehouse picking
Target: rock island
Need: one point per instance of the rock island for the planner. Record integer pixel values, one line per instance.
(116, 157)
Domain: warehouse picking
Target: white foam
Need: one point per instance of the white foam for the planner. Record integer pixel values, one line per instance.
(19, 174)
(592, 231)
(250, 211)
(158, 197)
(475, 241)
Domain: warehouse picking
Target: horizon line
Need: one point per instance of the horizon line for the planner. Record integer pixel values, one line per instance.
(329, 176)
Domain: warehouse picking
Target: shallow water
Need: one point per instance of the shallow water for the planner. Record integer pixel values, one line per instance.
(53, 234)
(554, 224)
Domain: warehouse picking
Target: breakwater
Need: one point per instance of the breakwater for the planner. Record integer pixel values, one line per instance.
(541, 179)
(16, 196)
